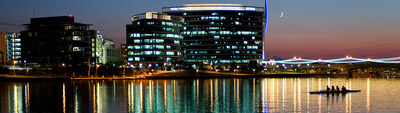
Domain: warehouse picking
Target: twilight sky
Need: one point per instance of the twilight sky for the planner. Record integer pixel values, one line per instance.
(309, 28)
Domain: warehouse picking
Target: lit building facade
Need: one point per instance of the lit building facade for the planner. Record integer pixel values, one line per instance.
(105, 50)
(154, 38)
(3, 48)
(52, 41)
(221, 33)
(123, 53)
(13, 48)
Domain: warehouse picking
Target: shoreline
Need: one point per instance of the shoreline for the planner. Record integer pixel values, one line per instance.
(170, 75)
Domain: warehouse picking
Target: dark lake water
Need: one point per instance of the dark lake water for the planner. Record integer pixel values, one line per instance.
(200, 95)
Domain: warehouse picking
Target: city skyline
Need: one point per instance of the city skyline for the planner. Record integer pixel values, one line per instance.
(308, 29)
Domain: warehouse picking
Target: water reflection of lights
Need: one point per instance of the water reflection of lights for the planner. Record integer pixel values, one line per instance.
(265, 95)
(294, 95)
(63, 97)
(151, 95)
(76, 101)
(368, 93)
(18, 98)
(165, 94)
(308, 95)
(210, 95)
(348, 97)
(299, 93)
(283, 92)
(197, 92)
(131, 97)
(320, 96)
(141, 96)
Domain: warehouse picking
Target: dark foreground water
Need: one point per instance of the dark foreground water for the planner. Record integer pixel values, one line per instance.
(200, 95)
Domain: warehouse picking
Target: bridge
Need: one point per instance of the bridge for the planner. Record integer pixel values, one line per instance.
(347, 65)
(346, 60)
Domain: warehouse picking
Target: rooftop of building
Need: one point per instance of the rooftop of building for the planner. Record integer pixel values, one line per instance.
(156, 15)
(212, 7)
(55, 19)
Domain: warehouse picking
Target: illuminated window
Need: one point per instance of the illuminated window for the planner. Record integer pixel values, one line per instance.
(159, 40)
(134, 35)
(76, 38)
(76, 49)
(159, 46)
(150, 23)
(147, 47)
(169, 29)
(148, 52)
(170, 53)
(130, 53)
(130, 59)
(156, 52)
(211, 23)
(176, 41)
(237, 23)
(244, 42)
(137, 58)
(130, 47)
(214, 13)
(137, 41)
(240, 14)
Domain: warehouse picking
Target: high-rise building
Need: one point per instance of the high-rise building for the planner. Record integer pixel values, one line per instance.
(223, 33)
(154, 38)
(54, 41)
(3, 48)
(123, 53)
(13, 48)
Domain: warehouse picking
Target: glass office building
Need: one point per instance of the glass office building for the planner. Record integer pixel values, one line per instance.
(221, 33)
(13, 48)
(154, 38)
(53, 41)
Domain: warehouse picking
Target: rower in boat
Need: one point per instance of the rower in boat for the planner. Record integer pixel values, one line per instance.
(344, 88)
(333, 90)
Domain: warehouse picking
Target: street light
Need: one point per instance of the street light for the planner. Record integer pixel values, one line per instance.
(65, 72)
(149, 67)
(197, 72)
(165, 64)
(140, 67)
(97, 66)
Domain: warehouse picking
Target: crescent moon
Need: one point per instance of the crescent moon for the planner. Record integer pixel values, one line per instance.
(281, 14)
